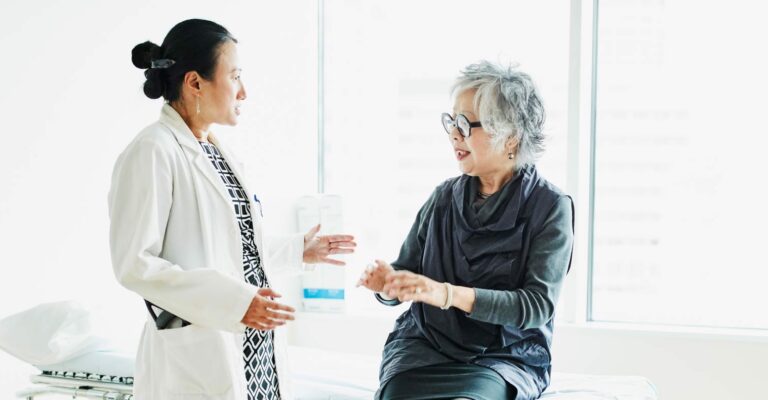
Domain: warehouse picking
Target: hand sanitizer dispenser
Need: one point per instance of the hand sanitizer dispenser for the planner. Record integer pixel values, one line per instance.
(322, 284)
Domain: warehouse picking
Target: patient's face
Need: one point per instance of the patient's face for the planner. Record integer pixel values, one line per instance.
(475, 155)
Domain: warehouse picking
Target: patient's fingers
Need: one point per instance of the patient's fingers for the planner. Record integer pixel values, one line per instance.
(408, 294)
(398, 280)
(406, 286)
(394, 275)
(419, 292)
(413, 297)
(383, 265)
(373, 277)
(364, 277)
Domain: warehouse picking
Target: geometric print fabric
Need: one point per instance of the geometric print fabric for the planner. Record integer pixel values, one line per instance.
(258, 346)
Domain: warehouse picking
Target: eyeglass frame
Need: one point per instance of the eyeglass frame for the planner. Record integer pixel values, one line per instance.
(454, 124)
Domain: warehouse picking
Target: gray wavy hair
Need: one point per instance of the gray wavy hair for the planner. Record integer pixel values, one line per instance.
(509, 106)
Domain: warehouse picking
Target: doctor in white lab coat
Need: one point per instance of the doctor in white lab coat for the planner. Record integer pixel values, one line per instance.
(174, 236)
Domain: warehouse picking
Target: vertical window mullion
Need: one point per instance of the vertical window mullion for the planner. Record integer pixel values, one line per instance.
(592, 149)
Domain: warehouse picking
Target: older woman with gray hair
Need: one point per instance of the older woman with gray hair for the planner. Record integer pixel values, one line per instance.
(485, 260)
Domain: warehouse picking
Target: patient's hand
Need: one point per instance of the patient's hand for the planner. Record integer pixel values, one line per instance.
(266, 314)
(408, 286)
(374, 276)
(318, 248)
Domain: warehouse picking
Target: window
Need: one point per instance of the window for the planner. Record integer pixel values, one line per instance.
(391, 65)
(680, 215)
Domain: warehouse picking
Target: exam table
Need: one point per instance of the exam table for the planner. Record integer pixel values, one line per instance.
(316, 375)
(61, 341)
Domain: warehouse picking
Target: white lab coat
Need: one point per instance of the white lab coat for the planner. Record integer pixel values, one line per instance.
(175, 241)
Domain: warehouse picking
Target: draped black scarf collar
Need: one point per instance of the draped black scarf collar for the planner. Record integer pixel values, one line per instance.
(500, 212)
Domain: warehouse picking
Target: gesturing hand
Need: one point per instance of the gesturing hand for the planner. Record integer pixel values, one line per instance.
(374, 276)
(264, 313)
(318, 248)
(408, 286)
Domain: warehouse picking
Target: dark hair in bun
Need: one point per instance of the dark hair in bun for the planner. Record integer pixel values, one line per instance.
(193, 45)
(142, 56)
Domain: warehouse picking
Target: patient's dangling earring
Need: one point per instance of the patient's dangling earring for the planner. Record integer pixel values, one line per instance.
(511, 155)
(197, 101)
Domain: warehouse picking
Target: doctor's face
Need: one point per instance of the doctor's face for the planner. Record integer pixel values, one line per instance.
(221, 97)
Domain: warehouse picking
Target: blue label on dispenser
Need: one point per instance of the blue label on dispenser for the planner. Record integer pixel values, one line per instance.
(329, 294)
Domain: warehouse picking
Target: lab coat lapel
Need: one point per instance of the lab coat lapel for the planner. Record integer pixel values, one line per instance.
(194, 151)
(203, 164)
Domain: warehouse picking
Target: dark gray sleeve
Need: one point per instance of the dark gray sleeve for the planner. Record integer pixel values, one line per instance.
(534, 304)
(413, 247)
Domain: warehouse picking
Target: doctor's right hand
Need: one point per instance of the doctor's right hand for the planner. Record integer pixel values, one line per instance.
(265, 314)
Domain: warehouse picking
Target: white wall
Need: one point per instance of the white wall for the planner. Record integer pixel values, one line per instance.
(71, 101)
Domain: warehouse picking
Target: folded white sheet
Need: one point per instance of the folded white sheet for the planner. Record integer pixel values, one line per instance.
(50, 333)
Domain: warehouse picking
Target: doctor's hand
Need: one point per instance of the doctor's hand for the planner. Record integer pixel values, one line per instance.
(266, 314)
(375, 275)
(318, 248)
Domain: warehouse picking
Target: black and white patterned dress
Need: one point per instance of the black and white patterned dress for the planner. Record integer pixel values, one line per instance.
(258, 346)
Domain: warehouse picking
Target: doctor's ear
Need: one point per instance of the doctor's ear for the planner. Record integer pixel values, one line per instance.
(192, 80)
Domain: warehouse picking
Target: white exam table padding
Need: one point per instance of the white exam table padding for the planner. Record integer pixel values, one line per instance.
(325, 375)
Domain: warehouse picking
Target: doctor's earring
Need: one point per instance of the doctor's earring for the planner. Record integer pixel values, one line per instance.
(197, 102)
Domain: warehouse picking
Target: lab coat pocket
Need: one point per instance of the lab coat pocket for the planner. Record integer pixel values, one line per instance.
(196, 361)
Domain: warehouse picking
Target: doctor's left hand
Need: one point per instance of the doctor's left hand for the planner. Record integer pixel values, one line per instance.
(318, 248)
(264, 313)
